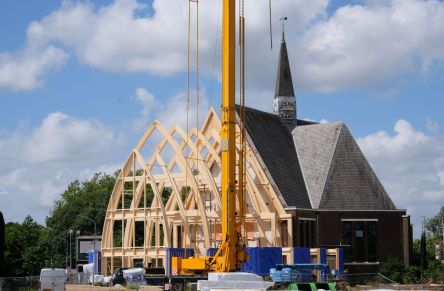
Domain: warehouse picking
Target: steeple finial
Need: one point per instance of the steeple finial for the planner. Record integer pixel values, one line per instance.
(284, 103)
(283, 18)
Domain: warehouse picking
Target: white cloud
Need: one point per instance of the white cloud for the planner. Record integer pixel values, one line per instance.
(406, 140)
(24, 70)
(176, 110)
(124, 37)
(410, 164)
(148, 101)
(109, 168)
(441, 177)
(37, 164)
(121, 36)
(358, 45)
(362, 45)
(50, 193)
(150, 106)
(12, 177)
(172, 111)
(3, 192)
(432, 125)
(67, 139)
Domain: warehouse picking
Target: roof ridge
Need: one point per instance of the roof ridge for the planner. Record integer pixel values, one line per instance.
(302, 170)
(315, 123)
(273, 141)
(254, 109)
(341, 125)
(277, 116)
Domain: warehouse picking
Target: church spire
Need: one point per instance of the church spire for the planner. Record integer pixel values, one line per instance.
(284, 103)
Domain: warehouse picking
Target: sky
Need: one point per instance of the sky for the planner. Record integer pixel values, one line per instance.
(80, 81)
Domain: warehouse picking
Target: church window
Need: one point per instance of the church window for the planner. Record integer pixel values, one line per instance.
(307, 232)
(360, 240)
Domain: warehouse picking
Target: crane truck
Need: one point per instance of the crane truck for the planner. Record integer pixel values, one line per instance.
(231, 253)
(221, 268)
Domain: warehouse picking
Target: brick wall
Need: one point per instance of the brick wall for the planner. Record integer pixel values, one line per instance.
(392, 239)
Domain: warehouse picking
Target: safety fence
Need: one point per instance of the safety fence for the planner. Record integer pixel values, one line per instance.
(358, 281)
(422, 281)
(45, 282)
(19, 283)
(432, 277)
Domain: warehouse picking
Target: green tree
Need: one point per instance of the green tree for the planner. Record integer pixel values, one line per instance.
(13, 248)
(423, 250)
(2, 244)
(434, 224)
(416, 254)
(24, 255)
(424, 266)
(434, 229)
(88, 199)
(392, 268)
(30, 246)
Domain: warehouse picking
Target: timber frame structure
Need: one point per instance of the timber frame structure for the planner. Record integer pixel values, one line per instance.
(168, 195)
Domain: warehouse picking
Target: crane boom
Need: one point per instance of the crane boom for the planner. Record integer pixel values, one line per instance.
(228, 135)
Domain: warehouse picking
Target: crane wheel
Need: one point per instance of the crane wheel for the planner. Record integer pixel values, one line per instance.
(177, 286)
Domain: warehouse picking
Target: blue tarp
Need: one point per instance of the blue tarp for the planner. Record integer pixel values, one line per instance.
(262, 259)
(211, 252)
(302, 256)
(91, 259)
(323, 257)
(341, 261)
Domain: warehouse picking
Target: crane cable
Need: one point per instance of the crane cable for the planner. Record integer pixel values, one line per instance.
(271, 30)
(197, 92)
(187, 123)
(213, 77)
(196, 160)
(197, 113)
(242, 152)
(215, 52)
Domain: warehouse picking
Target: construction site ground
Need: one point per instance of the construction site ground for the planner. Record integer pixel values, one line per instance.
(348, 288)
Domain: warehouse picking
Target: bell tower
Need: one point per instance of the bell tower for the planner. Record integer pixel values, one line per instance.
(284, 103)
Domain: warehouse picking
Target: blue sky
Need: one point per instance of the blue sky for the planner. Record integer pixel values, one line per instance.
(73, 72)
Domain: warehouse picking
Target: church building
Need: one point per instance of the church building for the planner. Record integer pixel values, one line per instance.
(307, 185)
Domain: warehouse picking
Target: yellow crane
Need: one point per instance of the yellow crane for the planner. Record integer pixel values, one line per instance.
(230, 255)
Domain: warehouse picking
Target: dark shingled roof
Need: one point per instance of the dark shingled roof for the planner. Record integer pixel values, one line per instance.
(351, 182)
(274, 143)
(317, 166)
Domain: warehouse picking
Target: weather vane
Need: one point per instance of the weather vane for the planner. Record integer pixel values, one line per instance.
(283, 18)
